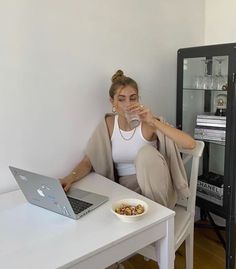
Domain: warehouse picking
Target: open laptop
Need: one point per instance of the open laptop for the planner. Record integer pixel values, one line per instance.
(48, 193)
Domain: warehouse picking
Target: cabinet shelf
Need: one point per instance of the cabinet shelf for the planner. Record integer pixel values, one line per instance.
(208, 90)
(213, 142)
(211, 207)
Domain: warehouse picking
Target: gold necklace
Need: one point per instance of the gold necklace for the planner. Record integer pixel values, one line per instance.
(127, 139)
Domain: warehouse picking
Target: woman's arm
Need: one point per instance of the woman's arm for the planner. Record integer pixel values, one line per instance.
(81, 170)
(182, 139)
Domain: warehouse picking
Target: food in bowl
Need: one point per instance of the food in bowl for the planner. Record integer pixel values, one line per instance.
(130, 210)
(126, 209)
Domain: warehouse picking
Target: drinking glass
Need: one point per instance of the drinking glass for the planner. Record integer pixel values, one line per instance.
(220, 80)
(198, 82)
(131, 116)
(207, 80)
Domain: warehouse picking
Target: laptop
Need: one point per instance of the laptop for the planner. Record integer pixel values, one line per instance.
(48, 193)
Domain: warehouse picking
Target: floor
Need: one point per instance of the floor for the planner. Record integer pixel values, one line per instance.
(208, 254)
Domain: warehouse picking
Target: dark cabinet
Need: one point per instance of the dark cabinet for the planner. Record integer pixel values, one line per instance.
(206, 109)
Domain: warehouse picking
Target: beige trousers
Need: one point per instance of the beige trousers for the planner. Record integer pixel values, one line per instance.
(152, 177)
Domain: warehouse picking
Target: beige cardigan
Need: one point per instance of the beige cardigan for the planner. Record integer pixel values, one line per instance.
(99, 153)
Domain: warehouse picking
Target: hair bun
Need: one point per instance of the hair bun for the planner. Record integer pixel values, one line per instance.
(117, 76)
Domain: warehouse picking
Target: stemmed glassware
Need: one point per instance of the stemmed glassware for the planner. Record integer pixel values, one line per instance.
(220, 80)
(204, 81)
(207, 81)
(198, 82)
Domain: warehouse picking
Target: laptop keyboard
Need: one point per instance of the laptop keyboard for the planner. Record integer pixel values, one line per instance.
(78, 205)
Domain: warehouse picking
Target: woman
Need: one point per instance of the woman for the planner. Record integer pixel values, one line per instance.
(145, 158)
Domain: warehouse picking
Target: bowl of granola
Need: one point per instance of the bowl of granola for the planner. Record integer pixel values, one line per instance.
(130, 210)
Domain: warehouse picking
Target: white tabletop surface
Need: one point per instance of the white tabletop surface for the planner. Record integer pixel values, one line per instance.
(32, 237)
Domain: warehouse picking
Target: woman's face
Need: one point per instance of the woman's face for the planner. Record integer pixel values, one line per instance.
(123, 98)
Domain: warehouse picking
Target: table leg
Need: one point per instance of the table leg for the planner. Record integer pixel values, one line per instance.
(165, 247)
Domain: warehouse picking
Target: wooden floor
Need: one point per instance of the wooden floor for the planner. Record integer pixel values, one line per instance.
(208, 254)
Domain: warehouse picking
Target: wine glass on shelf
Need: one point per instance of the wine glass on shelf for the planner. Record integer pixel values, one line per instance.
(198, 82)
(207, 80)
(220, 80)
(202, 81)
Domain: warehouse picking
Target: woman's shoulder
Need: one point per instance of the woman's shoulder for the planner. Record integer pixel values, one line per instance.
(110, 118)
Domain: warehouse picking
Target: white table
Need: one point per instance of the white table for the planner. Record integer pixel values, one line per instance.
(32, 237)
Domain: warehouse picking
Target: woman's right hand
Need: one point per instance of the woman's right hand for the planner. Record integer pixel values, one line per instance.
(81, 170)
(66, 182)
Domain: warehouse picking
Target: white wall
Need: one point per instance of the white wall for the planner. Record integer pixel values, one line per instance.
(220, 21)
(57, 58)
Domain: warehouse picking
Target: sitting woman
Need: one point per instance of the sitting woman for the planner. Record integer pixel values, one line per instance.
(144, 158)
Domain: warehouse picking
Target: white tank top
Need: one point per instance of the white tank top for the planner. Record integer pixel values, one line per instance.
(125, 146)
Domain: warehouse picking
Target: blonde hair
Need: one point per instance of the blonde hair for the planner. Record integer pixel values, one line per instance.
(119, 81)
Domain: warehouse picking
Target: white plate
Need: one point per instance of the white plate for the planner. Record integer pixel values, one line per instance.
(131, 202)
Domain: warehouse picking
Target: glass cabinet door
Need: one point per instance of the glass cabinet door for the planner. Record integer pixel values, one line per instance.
(206, 109)
(205, 85)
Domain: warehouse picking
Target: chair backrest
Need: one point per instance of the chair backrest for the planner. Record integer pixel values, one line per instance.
(193, 155)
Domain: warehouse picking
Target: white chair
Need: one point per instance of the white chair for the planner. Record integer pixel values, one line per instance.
(185, 211)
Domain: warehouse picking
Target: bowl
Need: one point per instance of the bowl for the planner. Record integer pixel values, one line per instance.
(130, 203)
